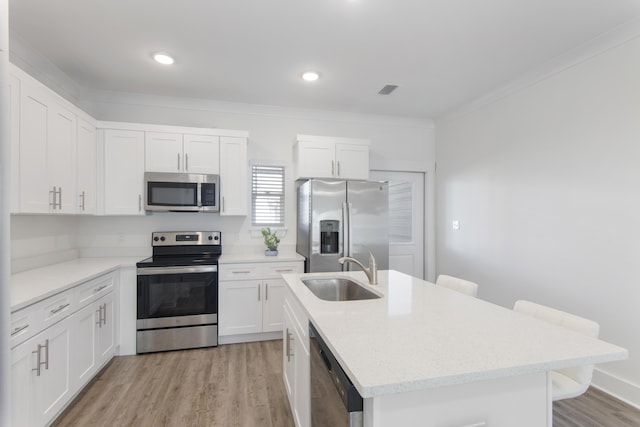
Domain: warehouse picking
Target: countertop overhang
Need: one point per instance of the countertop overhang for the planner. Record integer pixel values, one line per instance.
(419, 335)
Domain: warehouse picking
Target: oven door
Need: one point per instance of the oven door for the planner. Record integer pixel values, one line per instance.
(177, 296)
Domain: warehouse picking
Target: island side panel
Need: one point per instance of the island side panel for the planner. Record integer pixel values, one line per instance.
(523, 401)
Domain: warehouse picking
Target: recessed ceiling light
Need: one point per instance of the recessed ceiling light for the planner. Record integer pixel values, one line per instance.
(310, 76)
(163, 58)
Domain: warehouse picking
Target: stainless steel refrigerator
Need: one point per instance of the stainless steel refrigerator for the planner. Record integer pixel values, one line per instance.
(342, 218)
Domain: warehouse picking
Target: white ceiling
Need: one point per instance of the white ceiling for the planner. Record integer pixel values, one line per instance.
(442, 53)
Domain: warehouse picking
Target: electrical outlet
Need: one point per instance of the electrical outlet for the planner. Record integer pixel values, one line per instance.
(455, 224)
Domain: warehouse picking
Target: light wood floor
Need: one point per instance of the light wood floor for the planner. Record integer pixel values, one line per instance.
(241, 385)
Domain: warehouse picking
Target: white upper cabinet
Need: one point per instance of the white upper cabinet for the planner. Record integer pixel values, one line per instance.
(201, 154)
(329, 157)
(61, 157)
(233, 176)
(176, 152)
(87, 164)
(122, 153)
(14, 123)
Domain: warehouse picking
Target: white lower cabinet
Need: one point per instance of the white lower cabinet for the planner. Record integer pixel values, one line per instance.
(296, 363)
(41, 375)
(51, 367)
(251, 296)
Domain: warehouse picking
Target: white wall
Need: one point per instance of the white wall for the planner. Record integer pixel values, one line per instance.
(546, 185)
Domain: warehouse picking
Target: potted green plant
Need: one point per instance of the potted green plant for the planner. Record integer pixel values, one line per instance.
(271, 241)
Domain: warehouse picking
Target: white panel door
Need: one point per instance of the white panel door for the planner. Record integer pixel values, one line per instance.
(233, 176)
(163, 152)
(352, 161)
(240, 307)
(61, 157)
(36, 193)
(84, 348)
(202, 154)
(14, 121)
(106, 330)
(123, 172)
(86, 171)
(406, 220)
(273, 305)
(22, 383)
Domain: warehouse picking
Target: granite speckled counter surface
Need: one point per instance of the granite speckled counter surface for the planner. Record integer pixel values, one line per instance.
(419, 335)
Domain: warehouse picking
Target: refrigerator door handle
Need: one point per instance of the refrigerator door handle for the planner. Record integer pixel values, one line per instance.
(345, 233)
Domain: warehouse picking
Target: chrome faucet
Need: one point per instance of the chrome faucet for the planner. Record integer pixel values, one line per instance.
(371, 272)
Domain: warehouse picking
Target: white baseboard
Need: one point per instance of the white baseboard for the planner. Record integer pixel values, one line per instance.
(617, 387)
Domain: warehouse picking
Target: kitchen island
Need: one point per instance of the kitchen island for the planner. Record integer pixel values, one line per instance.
(424, 355)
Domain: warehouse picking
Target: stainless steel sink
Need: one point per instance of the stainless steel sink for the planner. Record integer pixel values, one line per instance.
(338, 289)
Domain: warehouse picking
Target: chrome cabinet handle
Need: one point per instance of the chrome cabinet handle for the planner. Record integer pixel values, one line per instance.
(96, 290)
(258, 293)
(266, 291)
(139, 202)
(53, 194)
(186, 162)
(60, 308)
(286, 349)
(99, 321)
(60, 198)
(105, 313)
(289, 353)
(242, 272)
(39, 362)
(333, 168)
(284, 270)
(338, 167)
(81, 206)
(19, 329)
(178, 162)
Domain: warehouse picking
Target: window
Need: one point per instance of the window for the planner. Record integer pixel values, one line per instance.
(267, 196)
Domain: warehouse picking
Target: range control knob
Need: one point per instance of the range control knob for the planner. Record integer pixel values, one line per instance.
(155, 239)
(210, 237)
(162, 239)
(216, 238)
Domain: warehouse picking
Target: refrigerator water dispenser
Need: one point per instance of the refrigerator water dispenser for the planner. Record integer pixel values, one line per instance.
(329, 236)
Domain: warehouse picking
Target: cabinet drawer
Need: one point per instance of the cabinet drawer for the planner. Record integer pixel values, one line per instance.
(25, 323)
(277, 269)
(94, 289)
(57, 307)
(239, 271)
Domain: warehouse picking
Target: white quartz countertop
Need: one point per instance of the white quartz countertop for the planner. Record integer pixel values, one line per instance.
(31, 286)
(283, 256)
(419, 335)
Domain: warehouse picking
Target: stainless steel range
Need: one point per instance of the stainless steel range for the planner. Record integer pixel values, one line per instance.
(178, 292)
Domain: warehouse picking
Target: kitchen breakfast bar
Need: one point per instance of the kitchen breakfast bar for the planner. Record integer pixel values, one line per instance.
(423, 355)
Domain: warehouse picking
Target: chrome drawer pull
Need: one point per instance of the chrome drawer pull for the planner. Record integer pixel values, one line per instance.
(241, 272)
(284, 271)
(19, 329)
(100, 288)
(59, 309)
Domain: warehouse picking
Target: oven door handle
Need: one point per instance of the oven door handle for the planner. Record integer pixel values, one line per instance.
(176, 270)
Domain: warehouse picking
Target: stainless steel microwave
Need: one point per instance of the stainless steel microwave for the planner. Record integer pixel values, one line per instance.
(181, 192)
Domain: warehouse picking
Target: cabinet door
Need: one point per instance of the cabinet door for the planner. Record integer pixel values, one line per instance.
(61, 157)
(352, 161)
(315, 159)
(303, 382)
(22, 383)
(273, 305)
(14, 124)
(201, 154)
(163, 152)
(53, 387)
(106, 329)
(86, 171)
(36, 193)
(233, 176)
(123, 172)
(240, 307)
(84, 348)
(288, 362)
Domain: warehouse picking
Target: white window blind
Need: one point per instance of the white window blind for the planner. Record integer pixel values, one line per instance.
(267, 195)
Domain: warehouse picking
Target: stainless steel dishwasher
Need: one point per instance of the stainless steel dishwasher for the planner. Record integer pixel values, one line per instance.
(335, 402)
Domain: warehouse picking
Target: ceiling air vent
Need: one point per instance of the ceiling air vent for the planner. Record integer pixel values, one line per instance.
(387, 89)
